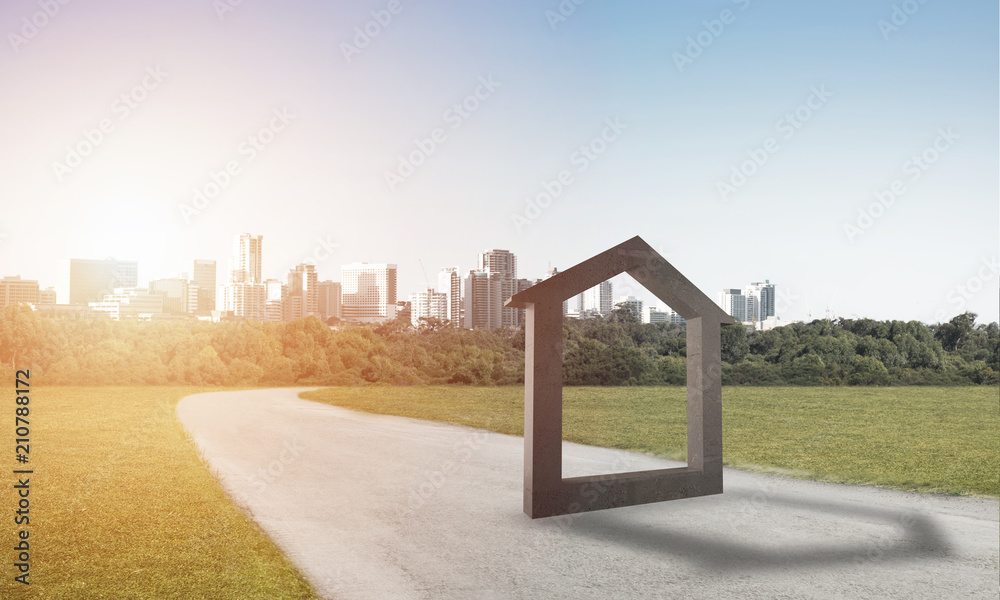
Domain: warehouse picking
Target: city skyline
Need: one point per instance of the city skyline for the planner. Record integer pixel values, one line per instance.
(843, 150)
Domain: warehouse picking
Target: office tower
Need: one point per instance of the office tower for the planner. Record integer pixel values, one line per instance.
(759, 300)
(83, 280)
(504, 263)
(450, 284)
(205, 281)
(428, 304)
(175, 293)
(368, 292)
(14, 290)
(652, 314)
(303, 292)
(329, 299)
(245, 294)
(482, 291)
(246, 259)
(734, 303)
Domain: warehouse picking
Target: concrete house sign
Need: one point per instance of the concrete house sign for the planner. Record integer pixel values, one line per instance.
(546, 492)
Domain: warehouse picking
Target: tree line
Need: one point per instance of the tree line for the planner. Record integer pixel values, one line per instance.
(612, 350)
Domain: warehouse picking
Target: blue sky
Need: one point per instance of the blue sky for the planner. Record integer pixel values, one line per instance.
(927, 255)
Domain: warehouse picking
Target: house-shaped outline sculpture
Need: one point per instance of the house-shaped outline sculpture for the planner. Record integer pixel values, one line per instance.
(546, 493)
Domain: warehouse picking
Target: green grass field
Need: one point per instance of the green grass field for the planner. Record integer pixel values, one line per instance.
(123, 507)
(941, 439)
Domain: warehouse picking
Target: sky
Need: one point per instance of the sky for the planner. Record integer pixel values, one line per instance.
(847, 152)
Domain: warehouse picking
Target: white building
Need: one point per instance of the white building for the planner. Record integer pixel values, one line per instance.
(450, 284)
(633, 304)
(428, 304)
(734, 303)
(597, 301)
(368, 292)
(129, 303)
(245, 294)
(760, 300)
(503, 263)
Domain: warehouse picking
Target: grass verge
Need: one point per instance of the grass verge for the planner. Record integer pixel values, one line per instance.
(928, 439)
(123, 507)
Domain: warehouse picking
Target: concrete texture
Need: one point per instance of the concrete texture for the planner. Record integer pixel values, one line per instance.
(546, 491)
(371, 506)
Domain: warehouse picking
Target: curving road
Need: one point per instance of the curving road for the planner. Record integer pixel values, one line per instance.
(371, 506)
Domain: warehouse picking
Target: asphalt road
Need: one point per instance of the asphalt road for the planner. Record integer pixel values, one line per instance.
(371, 506)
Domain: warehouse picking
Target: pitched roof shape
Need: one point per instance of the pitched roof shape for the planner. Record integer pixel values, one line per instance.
(645, 265)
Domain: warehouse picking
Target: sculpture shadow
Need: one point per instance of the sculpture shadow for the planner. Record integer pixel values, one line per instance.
(921, 537)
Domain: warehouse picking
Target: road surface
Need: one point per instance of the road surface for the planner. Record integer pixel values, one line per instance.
(370, 506)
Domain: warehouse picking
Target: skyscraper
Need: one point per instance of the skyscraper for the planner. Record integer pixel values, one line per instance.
(503, 263)
(596, 301)
(246, 259)
(482, 293)
(245, 294)
(734, 303)
(83, 280)
(303, 292)
(205, 281)
(368, 292)
(760, 300)
(450, 284)
(329, 299)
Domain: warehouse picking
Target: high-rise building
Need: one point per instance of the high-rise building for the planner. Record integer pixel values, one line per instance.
(303, 292)
(82, 280)
(428, 304)
(596, 301)
(204, 280)
(503, 263)
(245, 294)
(246, 266)
(14, 290)
(482, 293)
(329, 299)
(450, 284)
(734, 303)
(759, 300)
(368, 292)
